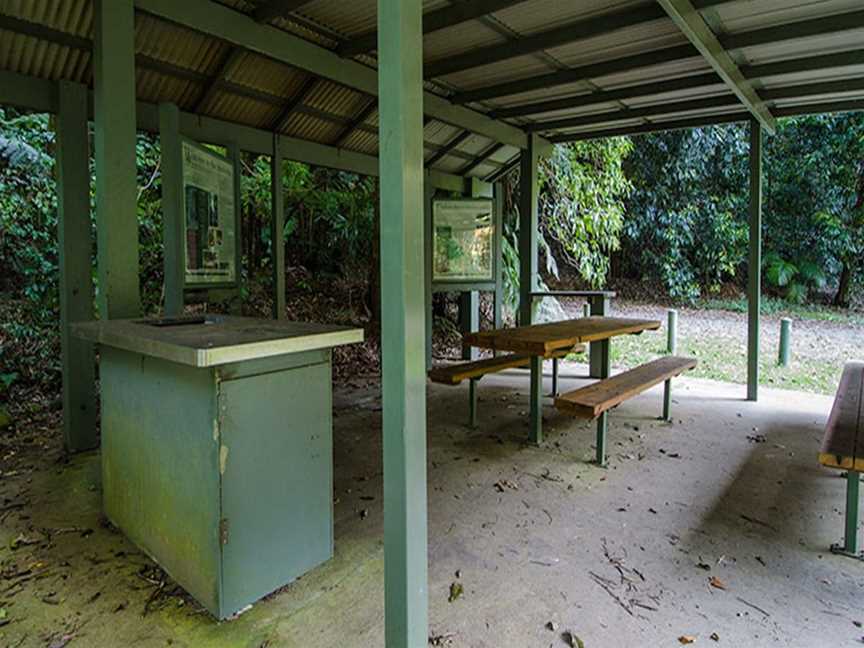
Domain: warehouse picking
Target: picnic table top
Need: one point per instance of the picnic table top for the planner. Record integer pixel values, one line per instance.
(574, 293)
(542, 339)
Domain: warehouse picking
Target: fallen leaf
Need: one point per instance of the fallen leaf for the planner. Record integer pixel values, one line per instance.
(551, 625)
(715, 636)
(572, 640)
(716, 582)
(456, 590)
(686, 639)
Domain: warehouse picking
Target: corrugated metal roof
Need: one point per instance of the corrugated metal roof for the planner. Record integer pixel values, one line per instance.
(52, 39)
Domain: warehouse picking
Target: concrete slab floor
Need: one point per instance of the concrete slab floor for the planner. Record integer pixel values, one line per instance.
(620, 557)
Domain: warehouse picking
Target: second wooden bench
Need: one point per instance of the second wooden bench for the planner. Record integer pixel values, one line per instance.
(474, 371)
(598, 398)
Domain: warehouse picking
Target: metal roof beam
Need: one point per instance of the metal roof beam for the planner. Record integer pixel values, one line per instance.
(637, 113)
(693, 25)
(511, 164)
(596, 26)
(480, 159)
(355, 123)
(572, 75)
(433, 21)
(277, 9)
(779, 68)
(791, 31)
(806, 64)
(676, 124)
(232, 26)
(291, 105)
(214, 82)
(448, 148)
(607, 96)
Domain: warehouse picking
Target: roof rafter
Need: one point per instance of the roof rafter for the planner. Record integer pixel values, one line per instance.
(361, 117)
(447, 148)
(213, 83)
(277, 9)
(480, 159)
(697, 31)
(291, 105)
(433, 21)
(595, 26)
(237, 28)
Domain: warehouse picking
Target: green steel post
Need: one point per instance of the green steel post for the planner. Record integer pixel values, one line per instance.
(554, 377)
(528, 196)
(754, 273)
(499, 279)
(469, 320)
(171, 147)
(535, 432)
(76, 277)
(277, 232)
(785, 340)
(602, 424)
(586, 310)
(428, 196)
(602, 421)
(400, 81)
(599, 306)
(667, 400)
(116, 173)
(672, 332)
(472, 402)
(850, 539)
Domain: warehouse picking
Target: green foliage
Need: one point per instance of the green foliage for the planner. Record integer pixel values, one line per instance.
(686, 222)
(583, 188)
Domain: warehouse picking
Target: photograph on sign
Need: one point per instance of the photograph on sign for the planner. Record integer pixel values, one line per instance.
(210, 217)
(463, 240)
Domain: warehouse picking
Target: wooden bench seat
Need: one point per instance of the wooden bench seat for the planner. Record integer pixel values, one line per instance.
(595, 400)
(473, 371)
(591, 401)
(843, 448)
(843, 442)
(456, 373)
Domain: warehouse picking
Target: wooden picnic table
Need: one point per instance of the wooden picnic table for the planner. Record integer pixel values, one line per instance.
(542, 340)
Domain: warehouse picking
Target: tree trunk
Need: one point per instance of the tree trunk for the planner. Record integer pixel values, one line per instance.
(841, 299)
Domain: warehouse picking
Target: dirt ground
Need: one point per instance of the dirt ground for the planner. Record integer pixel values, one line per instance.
(715, 525)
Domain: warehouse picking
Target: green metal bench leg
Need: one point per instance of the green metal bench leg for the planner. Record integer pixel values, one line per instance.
(554, 377)
(535, 433)
(667, 400)
(850, 540)
(601, 438)
(472, 402)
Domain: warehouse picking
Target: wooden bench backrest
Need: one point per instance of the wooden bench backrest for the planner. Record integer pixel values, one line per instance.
(843, 443)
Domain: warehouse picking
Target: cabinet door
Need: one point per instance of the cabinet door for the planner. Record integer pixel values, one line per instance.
(276, 460)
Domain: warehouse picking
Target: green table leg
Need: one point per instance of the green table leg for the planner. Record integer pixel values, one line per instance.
(667, 400)
(536, 414)
(850, 541)
(472, 402)
(554, 377)
(602, 425)
(603, 420)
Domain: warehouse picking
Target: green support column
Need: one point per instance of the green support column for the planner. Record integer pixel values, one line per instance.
(599, 306)
(116, 173)
(603, 419)
(528, 224)
(171, 149)
(754, 274)
(499, 278)
(277, 231)
(428, 196)
(469, 320)
(400, 84)
(849, 547)
(76, 277)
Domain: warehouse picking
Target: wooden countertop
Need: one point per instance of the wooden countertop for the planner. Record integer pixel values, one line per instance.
(221, 339)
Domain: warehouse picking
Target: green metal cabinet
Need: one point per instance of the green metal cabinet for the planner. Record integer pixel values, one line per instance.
(222, 474)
